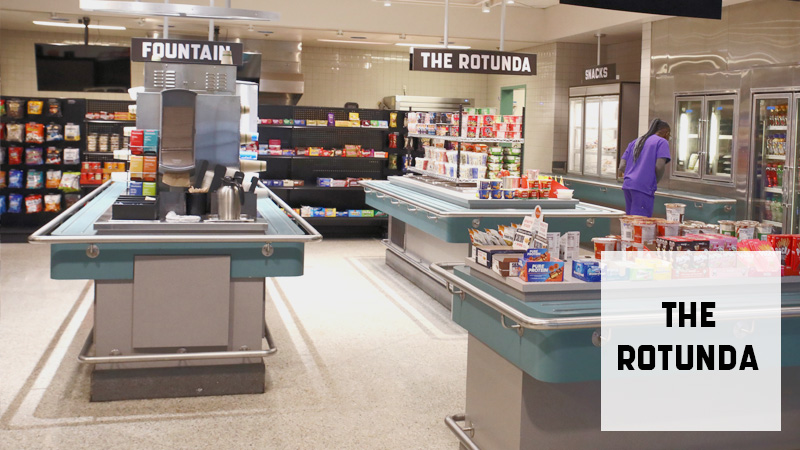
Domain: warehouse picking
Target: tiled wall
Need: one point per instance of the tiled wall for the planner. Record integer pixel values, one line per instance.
(334, 76)
(627, 56)
(644, 92)
(18, 63)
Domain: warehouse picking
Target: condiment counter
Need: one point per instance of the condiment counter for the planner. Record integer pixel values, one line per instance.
(430, 223)
(533, 368)
(178, 311)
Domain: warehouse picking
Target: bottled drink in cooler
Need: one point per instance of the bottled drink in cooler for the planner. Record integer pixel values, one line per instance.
(779, 176)
(768, 207)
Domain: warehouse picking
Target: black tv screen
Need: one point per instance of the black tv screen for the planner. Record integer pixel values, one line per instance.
(84, 68)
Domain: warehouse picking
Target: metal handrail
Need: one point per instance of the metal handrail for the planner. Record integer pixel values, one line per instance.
(461, 433)
(687, 197)
(84, 358)
(43, 235)
(601, 210)
(524, 321)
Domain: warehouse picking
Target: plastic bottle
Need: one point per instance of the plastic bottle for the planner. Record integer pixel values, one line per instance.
(768, 176)
(768, 207)
(779, 176)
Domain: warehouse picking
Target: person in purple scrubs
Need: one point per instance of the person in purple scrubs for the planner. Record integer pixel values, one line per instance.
(643, 164)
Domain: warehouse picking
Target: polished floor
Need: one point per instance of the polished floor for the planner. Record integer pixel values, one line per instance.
(365, 361)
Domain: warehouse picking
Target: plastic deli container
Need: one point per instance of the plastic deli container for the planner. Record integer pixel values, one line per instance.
(762, 231)
(644, 232)
(727, 227)
(746, 229)
(603, 244)
(626, 229)
(511, 182)
(667, 228)
(675, 211)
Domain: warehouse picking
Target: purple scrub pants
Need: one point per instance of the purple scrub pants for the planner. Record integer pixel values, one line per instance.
(638, 203)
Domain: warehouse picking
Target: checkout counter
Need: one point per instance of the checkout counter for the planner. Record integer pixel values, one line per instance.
(429, 221)
(533, 368)
(700, 207)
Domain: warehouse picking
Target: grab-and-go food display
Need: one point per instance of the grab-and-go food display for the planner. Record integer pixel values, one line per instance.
(471, 144)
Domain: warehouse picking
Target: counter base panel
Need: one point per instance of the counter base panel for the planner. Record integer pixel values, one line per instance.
(509, 409)
(173, 382)
(418, 278)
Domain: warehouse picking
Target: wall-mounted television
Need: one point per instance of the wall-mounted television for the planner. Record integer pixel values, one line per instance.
(84, 68)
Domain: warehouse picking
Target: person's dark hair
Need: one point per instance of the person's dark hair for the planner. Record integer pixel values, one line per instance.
(655, 126)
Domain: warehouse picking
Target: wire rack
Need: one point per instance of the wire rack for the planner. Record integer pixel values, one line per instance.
(108, 105)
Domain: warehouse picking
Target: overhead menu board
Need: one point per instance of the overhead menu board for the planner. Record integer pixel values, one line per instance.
(473, 61)
(703, 9)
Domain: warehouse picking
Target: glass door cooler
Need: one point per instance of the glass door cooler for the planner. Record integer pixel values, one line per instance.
(774, 189)
(603, 119)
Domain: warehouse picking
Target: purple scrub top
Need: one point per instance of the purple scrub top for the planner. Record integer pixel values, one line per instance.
(641, 175)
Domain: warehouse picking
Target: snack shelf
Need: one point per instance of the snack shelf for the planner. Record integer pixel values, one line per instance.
(469, 140)
(110, 121)
(441, 177)
(774, 190)
(318, 188)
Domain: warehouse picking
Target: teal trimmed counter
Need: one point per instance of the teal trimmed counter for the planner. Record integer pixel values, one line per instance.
(705, 208)
(538, 386)
(178, 309)
(428, 223)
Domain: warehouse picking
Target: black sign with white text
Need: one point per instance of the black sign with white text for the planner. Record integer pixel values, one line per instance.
(473, 61)
(703, 9)
(184, 51)
(600, 73)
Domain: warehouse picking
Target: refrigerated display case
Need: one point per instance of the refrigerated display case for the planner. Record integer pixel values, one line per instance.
(704, 133)
(774, 187)
(602, 120)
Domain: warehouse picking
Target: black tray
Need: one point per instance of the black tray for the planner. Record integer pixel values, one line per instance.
(132, 207)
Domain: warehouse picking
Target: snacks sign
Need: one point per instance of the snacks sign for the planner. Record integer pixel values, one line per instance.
(708, 9)
(185, 51)
(600, 73)
(473, 61)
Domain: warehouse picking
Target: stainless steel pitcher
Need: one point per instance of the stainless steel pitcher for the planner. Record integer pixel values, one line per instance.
(230, 197)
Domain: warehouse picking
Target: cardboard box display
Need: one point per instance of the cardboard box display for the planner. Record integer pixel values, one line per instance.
(537, 254)
(541, 271)
(586, 270)
(484, 254)
(506, 265)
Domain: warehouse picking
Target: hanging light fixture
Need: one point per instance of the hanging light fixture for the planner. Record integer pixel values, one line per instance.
(485, 7)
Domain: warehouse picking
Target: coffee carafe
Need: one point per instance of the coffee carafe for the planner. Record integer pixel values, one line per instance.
(230, 197)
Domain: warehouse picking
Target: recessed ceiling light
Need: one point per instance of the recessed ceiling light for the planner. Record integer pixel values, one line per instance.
(55, 18)
(340, 33)
(485, 7)
(342, 41)
(509, 2)
(387, 3)
(76, 25)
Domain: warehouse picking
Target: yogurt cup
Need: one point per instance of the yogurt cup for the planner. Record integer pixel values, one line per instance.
(509, 194)
(511, 182)
(484, 184)
(666, 228)
(484, 194)
(727, 227)
(495, 184)
(675, 211)
(644, 232)
(497, 194)
(626, 229)
(603, 244)
(763, 230)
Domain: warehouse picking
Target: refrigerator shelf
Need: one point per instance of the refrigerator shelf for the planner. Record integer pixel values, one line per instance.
(777, 128)
(465, 139)
(773, 223)
(777, 157)
(441, 177)
(774, 190)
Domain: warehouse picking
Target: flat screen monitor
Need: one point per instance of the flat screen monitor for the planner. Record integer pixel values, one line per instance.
(83, 68)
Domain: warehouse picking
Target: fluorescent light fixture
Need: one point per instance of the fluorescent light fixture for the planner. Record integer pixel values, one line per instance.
(387, 3)
(176, 10)
(342, 41)
(76, 25)
(485, 7)
(453, 47)
(509, 2)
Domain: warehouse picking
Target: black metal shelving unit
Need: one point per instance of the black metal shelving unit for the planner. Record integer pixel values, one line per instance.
(15, 227)
(105, 127)
(309, 168)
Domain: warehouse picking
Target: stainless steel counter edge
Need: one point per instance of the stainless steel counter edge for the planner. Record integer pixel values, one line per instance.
(524, 321)
(43, 235)
(663, 193)
(600, 211)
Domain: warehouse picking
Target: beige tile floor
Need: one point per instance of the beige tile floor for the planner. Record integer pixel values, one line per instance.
(365, 361)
